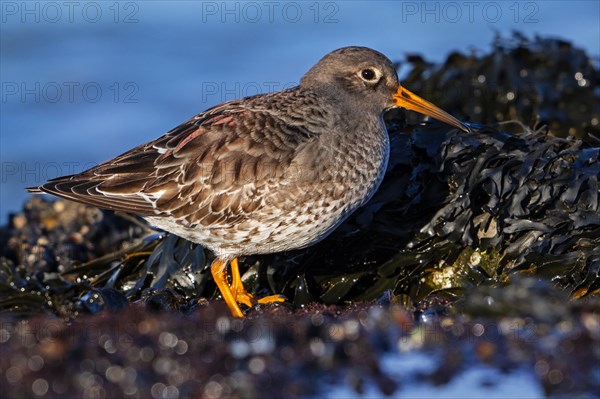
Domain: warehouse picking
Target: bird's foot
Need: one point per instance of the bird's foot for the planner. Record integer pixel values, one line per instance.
(277, 298)
(236, 293)
(242, 296)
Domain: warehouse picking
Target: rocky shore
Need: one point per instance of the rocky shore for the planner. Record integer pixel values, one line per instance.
(479, 251)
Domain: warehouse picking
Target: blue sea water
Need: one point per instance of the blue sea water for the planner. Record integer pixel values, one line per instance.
(82, 81)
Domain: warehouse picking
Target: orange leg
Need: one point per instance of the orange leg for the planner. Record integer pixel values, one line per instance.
(218, 270)
(237, 287)
(236, 293)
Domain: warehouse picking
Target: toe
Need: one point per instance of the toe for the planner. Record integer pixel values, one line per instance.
(272, 299)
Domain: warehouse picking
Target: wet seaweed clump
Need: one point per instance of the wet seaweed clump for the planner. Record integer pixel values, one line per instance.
(48, 239)
(537, 81)
(461, 210)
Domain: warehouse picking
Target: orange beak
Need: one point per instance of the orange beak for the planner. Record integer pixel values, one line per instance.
(405, 99)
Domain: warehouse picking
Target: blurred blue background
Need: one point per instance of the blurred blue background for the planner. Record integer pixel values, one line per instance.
(85, 81)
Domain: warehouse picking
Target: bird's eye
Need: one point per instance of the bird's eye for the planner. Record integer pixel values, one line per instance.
(368, 74)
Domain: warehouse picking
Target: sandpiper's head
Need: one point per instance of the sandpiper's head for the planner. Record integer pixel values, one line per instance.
(366, 76)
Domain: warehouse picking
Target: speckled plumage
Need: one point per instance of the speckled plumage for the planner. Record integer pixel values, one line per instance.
(262, 174)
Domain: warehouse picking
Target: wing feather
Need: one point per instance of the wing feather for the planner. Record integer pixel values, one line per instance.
(198, 171)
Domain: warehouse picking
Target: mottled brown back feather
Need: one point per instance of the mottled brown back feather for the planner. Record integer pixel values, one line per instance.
(197, 170)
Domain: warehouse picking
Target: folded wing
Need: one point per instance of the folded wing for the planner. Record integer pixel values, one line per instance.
(212, 166)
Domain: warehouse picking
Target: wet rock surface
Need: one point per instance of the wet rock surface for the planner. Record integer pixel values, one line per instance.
(479, 250)
(276, 352)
